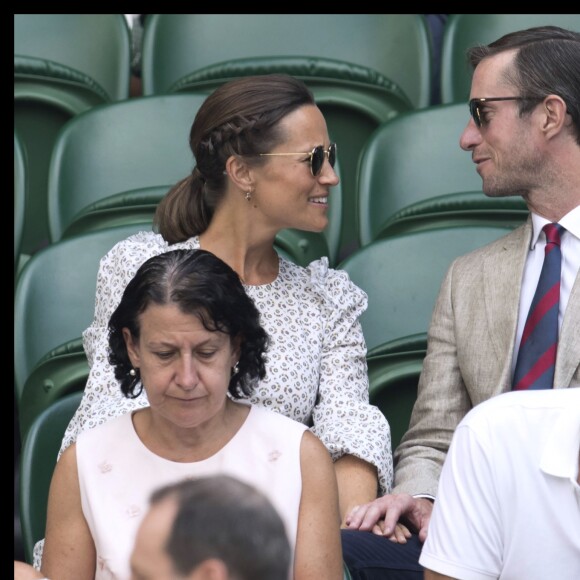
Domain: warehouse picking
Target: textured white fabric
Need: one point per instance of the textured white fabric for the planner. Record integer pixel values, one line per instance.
(117, 474)
(508, 503)
(316, 367)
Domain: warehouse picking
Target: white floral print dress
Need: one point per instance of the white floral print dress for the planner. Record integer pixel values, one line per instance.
(316, 366)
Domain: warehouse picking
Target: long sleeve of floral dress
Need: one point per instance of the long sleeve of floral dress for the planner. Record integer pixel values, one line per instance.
(343, 418)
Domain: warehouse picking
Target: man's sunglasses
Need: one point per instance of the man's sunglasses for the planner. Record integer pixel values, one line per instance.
(316, 157)
(476, 104)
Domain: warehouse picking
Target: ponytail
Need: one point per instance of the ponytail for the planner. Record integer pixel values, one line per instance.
(183, 213)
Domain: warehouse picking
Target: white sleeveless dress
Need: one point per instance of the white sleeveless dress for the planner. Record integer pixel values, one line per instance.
(117, 474)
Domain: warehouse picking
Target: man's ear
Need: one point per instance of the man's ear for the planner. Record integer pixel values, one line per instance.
(555, 115)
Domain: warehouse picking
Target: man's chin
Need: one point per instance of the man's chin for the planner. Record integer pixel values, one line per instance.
(495, 191)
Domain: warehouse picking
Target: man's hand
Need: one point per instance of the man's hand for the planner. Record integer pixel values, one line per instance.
(382, 515)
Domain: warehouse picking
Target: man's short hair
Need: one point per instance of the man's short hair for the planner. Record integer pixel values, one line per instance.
(223, 518)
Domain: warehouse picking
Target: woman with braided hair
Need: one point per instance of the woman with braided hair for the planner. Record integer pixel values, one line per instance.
(263, 163)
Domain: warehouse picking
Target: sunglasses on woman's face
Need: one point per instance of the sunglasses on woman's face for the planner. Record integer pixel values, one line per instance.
(316, 157)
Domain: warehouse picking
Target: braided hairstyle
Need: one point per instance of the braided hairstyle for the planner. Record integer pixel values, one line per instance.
(241, 117)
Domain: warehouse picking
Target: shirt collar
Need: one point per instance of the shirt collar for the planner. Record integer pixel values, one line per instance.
(560, 453)
(571, 221)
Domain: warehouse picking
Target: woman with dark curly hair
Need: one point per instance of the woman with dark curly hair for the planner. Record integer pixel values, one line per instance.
(187, 334)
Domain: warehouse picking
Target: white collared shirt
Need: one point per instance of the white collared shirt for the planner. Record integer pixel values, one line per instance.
(570, 248)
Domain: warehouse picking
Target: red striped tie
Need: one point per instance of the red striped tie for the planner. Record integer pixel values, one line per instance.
(537, 355)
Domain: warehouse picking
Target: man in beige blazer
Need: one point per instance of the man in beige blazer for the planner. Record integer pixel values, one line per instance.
(521, 146)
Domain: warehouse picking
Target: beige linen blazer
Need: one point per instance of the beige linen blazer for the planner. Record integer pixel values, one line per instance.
(469, 355)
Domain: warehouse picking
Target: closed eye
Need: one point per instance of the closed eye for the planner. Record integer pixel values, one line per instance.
(484, 115)
(206, 354)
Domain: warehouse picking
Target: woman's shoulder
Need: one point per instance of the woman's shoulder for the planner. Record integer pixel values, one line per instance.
(331, 284)
(106, 432)
(269, 418)
(319, 273)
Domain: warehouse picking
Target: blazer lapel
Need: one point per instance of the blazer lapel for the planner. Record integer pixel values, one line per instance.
(568, 357)
(503, 272)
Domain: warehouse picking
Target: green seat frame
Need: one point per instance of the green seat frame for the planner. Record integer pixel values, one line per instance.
(37, 461)
(412, 158)
(135, 144)
(402, 276)
(20, 190)
(456, 209)
(53, 378)
(64, 64)
(96, 45)
(55, 295)
(396, 46)
(393, 380)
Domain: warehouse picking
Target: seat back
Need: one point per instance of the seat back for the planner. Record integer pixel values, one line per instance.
(395, 45)
(64, 64)
(412, 158)
(134, 206)
(393, 380)
(53, 377)
(37, 461)
(20, 189)
(97, 45)
(462, 31)
(137, 143)
(354, 100)
(456, 209)
(402, 276)
(138, 149)
(55, 295)
(46, 97)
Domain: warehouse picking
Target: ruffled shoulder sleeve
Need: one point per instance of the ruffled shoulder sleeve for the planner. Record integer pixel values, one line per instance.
(337, 289)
